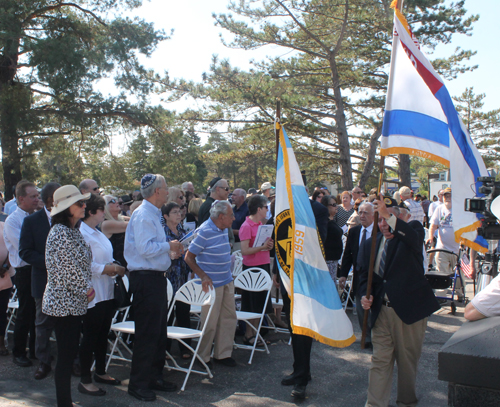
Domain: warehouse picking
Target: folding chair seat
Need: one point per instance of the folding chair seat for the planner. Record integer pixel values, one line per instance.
(254, 279)
(191, 293)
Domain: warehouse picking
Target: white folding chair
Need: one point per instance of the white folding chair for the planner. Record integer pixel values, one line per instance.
(238, 265)
(347, 289)
(121, 328)
(125, 327)
(12, 307)
(254, 279)
(191, 293)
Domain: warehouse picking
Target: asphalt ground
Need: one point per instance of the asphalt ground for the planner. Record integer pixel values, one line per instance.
(339, 376)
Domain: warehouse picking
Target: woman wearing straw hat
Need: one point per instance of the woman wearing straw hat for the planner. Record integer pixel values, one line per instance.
(69, 282)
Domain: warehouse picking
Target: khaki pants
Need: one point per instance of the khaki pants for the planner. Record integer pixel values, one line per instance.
(394, 341)
(221, 325)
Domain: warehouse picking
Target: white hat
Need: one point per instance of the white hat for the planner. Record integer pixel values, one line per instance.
(66, 196)
(266, 185)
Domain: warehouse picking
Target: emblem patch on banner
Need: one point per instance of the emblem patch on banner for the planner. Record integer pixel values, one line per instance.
(284, 241)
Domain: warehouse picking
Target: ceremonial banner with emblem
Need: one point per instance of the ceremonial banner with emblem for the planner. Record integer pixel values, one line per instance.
(420, 119)
(316, 310)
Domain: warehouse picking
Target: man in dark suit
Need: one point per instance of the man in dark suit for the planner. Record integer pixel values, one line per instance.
(34, 234)
(400, 303)
(355, 238)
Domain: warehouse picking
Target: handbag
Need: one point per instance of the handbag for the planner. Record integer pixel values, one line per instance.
(122, 297)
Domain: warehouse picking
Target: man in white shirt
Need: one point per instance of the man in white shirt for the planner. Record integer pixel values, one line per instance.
(11, 205)
(147, 255)
(27, 201)
(416, 210)
(433, 206)
(442, 222)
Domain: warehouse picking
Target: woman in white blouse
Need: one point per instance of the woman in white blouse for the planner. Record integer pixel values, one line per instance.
(100, 311)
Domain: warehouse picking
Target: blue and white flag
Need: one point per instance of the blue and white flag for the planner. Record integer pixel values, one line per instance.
(316, 310)
(420, 119)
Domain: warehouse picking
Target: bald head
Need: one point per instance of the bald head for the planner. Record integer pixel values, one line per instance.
(89, 185)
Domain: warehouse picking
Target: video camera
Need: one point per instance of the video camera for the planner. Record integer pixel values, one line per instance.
(490, 229)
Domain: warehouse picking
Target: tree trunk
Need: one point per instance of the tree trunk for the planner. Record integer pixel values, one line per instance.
(9, 139)
(372, 150)
(404, 170)
(342, 136)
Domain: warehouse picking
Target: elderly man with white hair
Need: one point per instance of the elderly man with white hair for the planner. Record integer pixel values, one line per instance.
(147, 255)
(188, 186)
(209, 256)
(416, 210)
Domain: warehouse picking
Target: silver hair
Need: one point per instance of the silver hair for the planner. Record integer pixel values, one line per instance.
(219, 207)
(217, 184)
(365, 203)
(157, 183)
(185, 185)
(240, 192)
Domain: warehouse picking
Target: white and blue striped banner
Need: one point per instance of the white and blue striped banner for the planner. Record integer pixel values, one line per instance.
(316, 309)
(420, 119)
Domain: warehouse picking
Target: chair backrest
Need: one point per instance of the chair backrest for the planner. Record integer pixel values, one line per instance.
(192, 293)
(170, 291)
(253, 279)
(237, 253)
(238, 266)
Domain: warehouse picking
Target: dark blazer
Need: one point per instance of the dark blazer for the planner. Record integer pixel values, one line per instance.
(404, 282)
(350, 256)
(34, 234)
(321, 216)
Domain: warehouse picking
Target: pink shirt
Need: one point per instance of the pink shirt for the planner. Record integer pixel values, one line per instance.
(248, 231)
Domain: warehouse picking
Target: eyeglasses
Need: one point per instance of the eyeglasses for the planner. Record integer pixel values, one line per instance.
(81, 204)
(112, 201)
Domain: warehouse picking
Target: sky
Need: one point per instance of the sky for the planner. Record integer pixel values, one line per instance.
(196, 39)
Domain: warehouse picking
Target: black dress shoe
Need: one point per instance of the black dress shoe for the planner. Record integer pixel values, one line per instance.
(368, 345)
(42, 371)
(113, 382)
(291, 379)
(22, 361)
(230, 362)
(142, 394)
(83, 390)
(299, 392)
(163, 385)
(32, 356)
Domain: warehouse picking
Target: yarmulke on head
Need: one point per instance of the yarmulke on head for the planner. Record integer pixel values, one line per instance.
(147, 180)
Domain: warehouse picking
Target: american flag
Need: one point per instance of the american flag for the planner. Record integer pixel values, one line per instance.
(465, 265)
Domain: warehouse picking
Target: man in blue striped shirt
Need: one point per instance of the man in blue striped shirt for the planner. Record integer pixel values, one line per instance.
(209, 256)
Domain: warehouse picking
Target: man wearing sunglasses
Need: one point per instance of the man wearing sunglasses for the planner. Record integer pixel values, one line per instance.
(219, 191)
(89, 185)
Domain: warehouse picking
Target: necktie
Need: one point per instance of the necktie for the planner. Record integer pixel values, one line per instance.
(381, 267)
(359, 259)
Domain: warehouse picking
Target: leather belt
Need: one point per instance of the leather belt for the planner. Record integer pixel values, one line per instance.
(150, 273)
(386, 303)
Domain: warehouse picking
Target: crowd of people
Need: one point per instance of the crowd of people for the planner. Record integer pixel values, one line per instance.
(63, 254)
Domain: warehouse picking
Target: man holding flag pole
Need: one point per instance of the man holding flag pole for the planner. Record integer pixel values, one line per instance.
(420, 119)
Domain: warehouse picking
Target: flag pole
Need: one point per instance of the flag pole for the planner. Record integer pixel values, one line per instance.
(373, 253)
(277, 122)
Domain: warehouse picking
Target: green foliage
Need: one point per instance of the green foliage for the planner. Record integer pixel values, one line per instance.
(331, 77)
(52, 56)
(484, 127)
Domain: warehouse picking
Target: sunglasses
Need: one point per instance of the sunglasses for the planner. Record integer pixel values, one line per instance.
(112, 201)
(333, 205)
(81, 204)
(183, 207)
(225, 188)
(95, 189)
